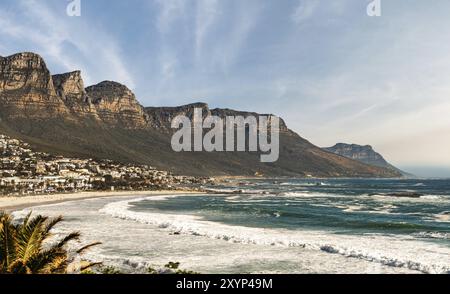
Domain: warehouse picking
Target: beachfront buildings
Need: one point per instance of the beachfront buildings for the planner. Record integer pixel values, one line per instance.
(23, 171)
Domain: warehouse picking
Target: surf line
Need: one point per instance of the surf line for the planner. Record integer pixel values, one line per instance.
(237, 129)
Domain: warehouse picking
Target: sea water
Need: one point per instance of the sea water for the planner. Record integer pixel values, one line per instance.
(275, 226)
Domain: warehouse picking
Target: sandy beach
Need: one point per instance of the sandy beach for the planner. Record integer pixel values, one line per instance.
(143, 230)
(17, 203)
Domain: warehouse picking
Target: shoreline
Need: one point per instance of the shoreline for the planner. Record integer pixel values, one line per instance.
(14, 203)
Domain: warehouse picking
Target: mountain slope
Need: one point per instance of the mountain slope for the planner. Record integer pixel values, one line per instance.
(365, 154)
(57, 114)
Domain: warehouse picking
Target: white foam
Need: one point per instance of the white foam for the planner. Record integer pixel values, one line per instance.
(304, 184)
(433, 235)
(442, 217)
(432, 197)
(237, 191)
(302, 194)
(397, 251)
(422, 199)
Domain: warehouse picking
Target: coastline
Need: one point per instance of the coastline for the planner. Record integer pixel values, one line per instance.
(10, 204)
(277, 247)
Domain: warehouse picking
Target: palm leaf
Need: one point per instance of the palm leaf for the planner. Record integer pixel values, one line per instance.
(71, 237)
(87, 265)
(51, 223)
(87, 247)
(7, 241)
(19, 267)
(42, 261)
(22, 247)
(30, 237)
(59, 265)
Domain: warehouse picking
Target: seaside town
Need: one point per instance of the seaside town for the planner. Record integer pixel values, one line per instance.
(25, 172)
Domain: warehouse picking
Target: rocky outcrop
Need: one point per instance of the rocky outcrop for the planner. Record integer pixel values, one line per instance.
(161, 117)
(115, 104)
(70, 89)
(365, 154)
(26, 87)
(28, 90)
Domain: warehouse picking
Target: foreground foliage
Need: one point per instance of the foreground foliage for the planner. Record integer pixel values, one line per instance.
(26, 247)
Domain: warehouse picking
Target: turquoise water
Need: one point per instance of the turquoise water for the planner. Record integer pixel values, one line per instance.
(340, 206)
(272, 226)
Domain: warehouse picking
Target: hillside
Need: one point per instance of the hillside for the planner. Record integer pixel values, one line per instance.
(365, 154)
(58, 114)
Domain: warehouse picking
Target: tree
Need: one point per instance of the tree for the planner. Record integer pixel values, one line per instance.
(26, 248)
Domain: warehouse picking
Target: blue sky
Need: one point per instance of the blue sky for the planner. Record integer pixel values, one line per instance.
(331, 71)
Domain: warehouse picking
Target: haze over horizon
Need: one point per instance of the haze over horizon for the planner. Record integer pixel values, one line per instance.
(331, 71)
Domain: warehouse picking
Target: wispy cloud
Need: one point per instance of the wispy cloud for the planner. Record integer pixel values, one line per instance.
(168, 67)
(171, 10)
(244, 21)
(52, 34)
(48, 43)
(304, 10)
(207, 12)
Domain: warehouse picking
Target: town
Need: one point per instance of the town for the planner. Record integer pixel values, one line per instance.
(25, 172)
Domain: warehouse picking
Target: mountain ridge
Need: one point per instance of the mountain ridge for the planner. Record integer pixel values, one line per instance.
(365, 154)
(57, 113)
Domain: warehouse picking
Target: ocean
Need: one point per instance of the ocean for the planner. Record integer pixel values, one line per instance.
(275, 226)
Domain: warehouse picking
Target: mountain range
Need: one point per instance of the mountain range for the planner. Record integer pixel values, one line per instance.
(57, 113)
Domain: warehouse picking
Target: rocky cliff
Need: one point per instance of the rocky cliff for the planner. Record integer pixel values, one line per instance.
(161, 117)
(365, 154)
(57, 114)
(26, 87)
(70, 89)
(109, 102)
(117, 105)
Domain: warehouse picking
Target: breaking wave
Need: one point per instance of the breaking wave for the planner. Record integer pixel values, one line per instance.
(401, 252)
(433, 235)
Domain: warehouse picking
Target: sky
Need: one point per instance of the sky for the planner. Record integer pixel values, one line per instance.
(334, 73)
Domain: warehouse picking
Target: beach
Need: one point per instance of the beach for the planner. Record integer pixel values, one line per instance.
(271, 226)
(12, 203)
(132, 246)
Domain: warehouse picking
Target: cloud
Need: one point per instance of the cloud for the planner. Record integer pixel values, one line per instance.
(171, 10)
(169, 65)
(200, 42)
(305, 10)
(67, 43)
(207, 12)
(240, 25)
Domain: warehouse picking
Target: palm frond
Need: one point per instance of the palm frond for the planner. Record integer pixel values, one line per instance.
(22, 247)
(50, 224)
(30, 237)
(7, 241)
(87, 265)
(18, 267)
(43, 260)
(27, 218)
(71, 237)
(87, 247)
(59, 265)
